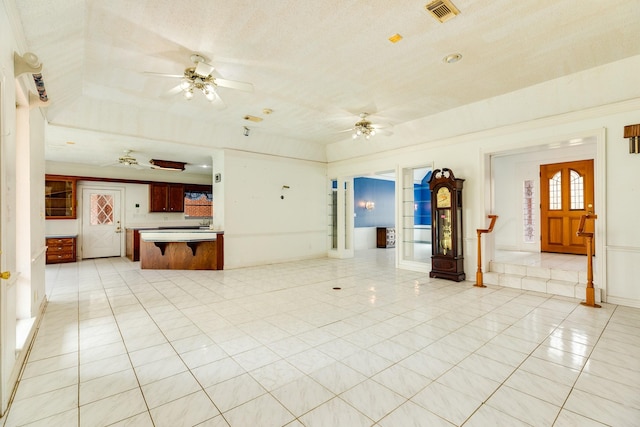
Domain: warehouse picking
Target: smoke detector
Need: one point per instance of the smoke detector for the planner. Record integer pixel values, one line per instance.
(442, 10)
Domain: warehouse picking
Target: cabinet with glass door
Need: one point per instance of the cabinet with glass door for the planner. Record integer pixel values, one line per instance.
(59, 197)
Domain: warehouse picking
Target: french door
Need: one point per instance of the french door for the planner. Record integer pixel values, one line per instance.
(566, 193)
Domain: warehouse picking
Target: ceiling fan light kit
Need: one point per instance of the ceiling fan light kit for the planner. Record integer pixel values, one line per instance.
(363, 128)
(127, 159)
(201, 78)
(192, 80)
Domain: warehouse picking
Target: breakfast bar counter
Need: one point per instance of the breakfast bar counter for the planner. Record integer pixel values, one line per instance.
(177, 249)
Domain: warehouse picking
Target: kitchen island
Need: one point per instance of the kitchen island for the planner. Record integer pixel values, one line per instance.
(176, 249)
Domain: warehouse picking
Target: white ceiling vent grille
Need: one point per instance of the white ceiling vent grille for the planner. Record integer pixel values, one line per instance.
(442, 10)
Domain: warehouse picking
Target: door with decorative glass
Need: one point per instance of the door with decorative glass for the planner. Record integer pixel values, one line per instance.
(566, 193)
(101, 226)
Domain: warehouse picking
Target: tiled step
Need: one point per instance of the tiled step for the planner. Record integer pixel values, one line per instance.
(567, 283)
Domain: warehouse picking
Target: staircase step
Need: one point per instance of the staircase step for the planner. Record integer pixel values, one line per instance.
(496, 267)
(549, 280)
(562, 287)
(539, 272)
(534, 284)
(520, 270)
(491, 278)
(565, 275)
(510, 280)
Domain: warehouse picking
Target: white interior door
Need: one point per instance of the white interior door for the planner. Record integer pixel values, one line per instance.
(101, 226)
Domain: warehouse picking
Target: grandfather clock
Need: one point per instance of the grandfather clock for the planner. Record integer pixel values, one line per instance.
(447, 260)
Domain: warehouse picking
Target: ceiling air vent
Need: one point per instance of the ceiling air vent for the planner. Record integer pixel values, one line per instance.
(442, 10)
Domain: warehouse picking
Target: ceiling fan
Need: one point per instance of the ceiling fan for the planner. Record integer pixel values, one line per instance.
(366, 129)
(168, 165)
(202, 77)
(127, 160)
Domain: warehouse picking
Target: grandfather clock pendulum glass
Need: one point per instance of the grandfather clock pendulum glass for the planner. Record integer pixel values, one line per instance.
(447, 260)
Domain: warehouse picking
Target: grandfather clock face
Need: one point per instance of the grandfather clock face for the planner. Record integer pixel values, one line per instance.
(443, 198)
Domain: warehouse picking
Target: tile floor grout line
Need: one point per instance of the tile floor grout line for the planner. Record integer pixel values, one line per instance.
(585, 363)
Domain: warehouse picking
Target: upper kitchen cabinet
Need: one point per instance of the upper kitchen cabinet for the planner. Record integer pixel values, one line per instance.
(59, 197)
(166, 197)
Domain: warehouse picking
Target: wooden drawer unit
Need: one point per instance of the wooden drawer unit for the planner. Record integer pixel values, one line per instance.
(385, 237)
(61, 249)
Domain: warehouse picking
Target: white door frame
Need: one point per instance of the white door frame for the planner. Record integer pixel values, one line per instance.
(80, 213)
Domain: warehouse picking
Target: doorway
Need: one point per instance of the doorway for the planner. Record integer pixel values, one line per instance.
(566, 193)
(374, 198)
(101, 223)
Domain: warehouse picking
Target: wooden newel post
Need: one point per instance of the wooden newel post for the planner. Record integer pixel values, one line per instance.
(480, 232)
(590, 291)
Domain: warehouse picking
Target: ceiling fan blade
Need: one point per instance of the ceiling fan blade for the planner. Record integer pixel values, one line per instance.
(171, 92)
(142, 166)
(217, 102)
(377, 126)
(151, 73)
(232, 84)
(204, 69)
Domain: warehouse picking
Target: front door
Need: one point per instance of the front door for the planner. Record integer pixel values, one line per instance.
(101, 226)
(566, 193)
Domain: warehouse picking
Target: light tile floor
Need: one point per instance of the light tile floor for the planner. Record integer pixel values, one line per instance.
(277, 345)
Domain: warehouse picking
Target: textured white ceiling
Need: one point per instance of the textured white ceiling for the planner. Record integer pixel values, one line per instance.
(315, 64)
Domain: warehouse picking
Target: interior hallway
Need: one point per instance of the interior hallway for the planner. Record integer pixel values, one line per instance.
(277, 345)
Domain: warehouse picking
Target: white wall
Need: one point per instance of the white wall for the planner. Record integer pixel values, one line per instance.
(364, 238)
(260, 227)
(37, 255)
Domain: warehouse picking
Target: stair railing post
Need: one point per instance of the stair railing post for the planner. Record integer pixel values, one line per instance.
(480, 231)
(590, 290)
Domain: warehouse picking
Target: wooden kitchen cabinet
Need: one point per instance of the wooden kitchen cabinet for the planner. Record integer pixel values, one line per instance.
(61, 249)
(59, 198)
(166, 197)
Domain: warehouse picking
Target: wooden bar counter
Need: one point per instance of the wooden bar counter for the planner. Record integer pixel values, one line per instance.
(182, 250)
